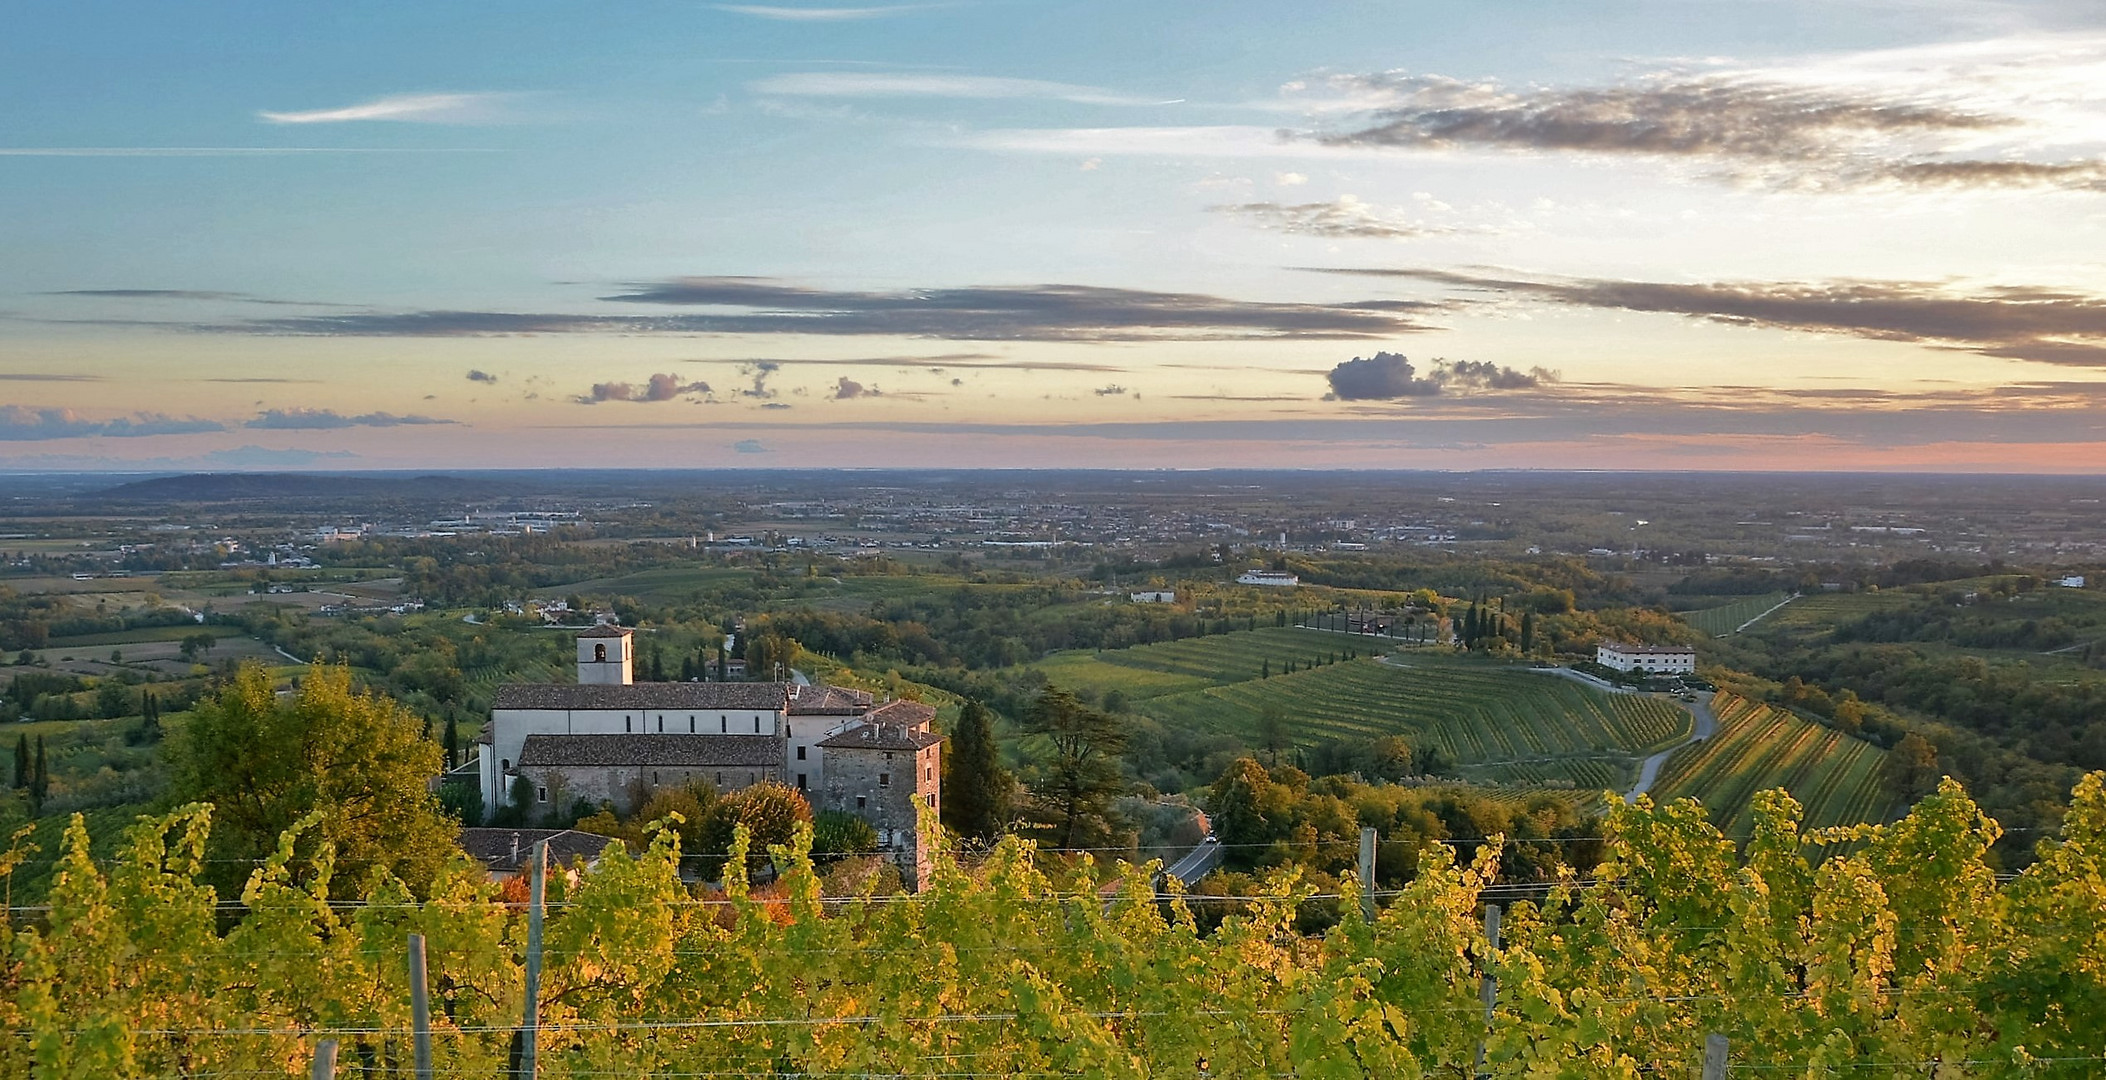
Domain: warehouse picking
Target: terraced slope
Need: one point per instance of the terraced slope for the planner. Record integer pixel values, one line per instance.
(1502, 724)
(1834, 775)
(1196, 663)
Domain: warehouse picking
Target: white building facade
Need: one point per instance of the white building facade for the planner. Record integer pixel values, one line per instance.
(1650, 659)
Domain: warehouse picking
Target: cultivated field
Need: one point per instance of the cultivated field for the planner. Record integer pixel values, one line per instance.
(1726, 618)
(1196, 663)
(1835, 776)
(1501, 724)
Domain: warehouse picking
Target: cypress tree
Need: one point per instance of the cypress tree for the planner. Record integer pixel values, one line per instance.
(1265, 669)
(1528, 631)
(453, 742)
(39, 780)
(21, 762)
(977, 789)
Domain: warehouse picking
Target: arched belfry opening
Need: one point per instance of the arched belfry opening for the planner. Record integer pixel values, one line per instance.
(604, 656)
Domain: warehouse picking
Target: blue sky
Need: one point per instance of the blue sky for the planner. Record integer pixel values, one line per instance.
(1856, 234)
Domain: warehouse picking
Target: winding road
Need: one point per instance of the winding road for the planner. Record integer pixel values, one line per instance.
(1705, 725)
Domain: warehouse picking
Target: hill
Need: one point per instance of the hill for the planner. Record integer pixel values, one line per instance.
(1757, 747)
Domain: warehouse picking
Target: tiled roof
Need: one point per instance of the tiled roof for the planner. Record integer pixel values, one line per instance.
(1649, 650)
(607, 630)
(496, 847)
(688, 695)
(882, 737)
(902, 713)
(670, 751)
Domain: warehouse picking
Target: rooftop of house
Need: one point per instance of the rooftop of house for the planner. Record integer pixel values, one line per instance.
(888, 737)
(1649, 650)
(509, 849)
(830, 701)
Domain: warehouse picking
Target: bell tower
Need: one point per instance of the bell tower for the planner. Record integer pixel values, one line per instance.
(604, 656)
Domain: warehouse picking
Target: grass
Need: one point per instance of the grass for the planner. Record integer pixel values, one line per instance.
(1726, 618)
(1833, 775)
(1500, 723)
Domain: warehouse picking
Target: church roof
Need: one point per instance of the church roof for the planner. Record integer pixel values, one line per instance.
(697, 696)
(666, 751)
(882, 737)
(608, 630)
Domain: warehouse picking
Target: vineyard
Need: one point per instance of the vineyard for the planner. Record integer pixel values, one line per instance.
(1727, 618)
(1758, 747)
(1903, 955)
(1501, 723)
(1195, 663)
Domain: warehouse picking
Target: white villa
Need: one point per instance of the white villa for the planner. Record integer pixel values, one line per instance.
(1651, 659)
(1278, 578)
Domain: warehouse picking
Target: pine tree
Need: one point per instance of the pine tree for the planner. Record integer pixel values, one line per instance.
(977, 790)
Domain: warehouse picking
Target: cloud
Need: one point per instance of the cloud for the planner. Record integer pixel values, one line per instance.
(1810, 129)
(481, 376)
(749, 446)
(759, 370)
(1066, 313)
(40, 376)
(1113, 390)
(831, 14)
(855, 84)
(327, 419)
(22, 424)
(2047, 325)
(402, 108)
(1387, 375)
(1378, 377)
(665, 387)
(1345, 217)
(846, 388)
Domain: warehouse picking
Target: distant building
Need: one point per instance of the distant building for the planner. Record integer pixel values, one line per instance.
(1159, 596)
(504, 852)
(1651, 659)
(607, 739)
(2074, 581)
(1280, 578)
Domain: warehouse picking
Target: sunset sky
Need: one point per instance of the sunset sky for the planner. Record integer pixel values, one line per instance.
(1708, 234)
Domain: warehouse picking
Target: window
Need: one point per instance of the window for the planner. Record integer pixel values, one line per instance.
(861, 802)
(723, 724)
(800, 781)
(504, 764)
(884, 779)
(756, 725)
(928, 773)
(625, 725)
(661, 723)
(751, 778)
(654, 776)
(800, 753)
(541, 794)
(720, 779)
(599, 654)
(690, 725)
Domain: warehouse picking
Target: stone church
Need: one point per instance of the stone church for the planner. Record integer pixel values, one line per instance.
(610, 739)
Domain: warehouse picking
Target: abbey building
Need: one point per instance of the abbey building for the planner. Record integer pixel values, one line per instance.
(610, 739)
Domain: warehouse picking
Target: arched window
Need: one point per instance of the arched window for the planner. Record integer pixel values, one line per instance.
(599, 653)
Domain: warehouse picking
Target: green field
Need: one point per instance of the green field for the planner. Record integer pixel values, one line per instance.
(1726, 618)
(1835, 776)
(1196, 663)
(1500, 724)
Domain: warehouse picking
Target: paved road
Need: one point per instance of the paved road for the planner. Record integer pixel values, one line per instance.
(1197, 863)
(1706, 726)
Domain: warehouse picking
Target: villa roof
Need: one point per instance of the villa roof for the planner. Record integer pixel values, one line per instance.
(669, 751)
(698, 696)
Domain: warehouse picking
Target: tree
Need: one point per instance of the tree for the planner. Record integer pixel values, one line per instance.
(1911, 769)
(197, 645)
(150, 718)
(39, 780)
(1074, 782)
(452, 744)
(838, 834)
(1528, 632)
(1389, 758)
(21, 762)
(977, 791)
(770, 811)
(354, 759)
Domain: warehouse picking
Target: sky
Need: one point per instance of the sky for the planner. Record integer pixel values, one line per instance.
(1679, 234)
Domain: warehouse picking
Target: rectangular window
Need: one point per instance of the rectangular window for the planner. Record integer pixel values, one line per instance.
(800, 782)
(661, 723)
(540, 794)
(654, 776)
(625, 725)
(928, 774)
(723, 724)
(756, 725)
(720, 779)
(884, 779)
(861, 802)
(690, 725)
(800, 753)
